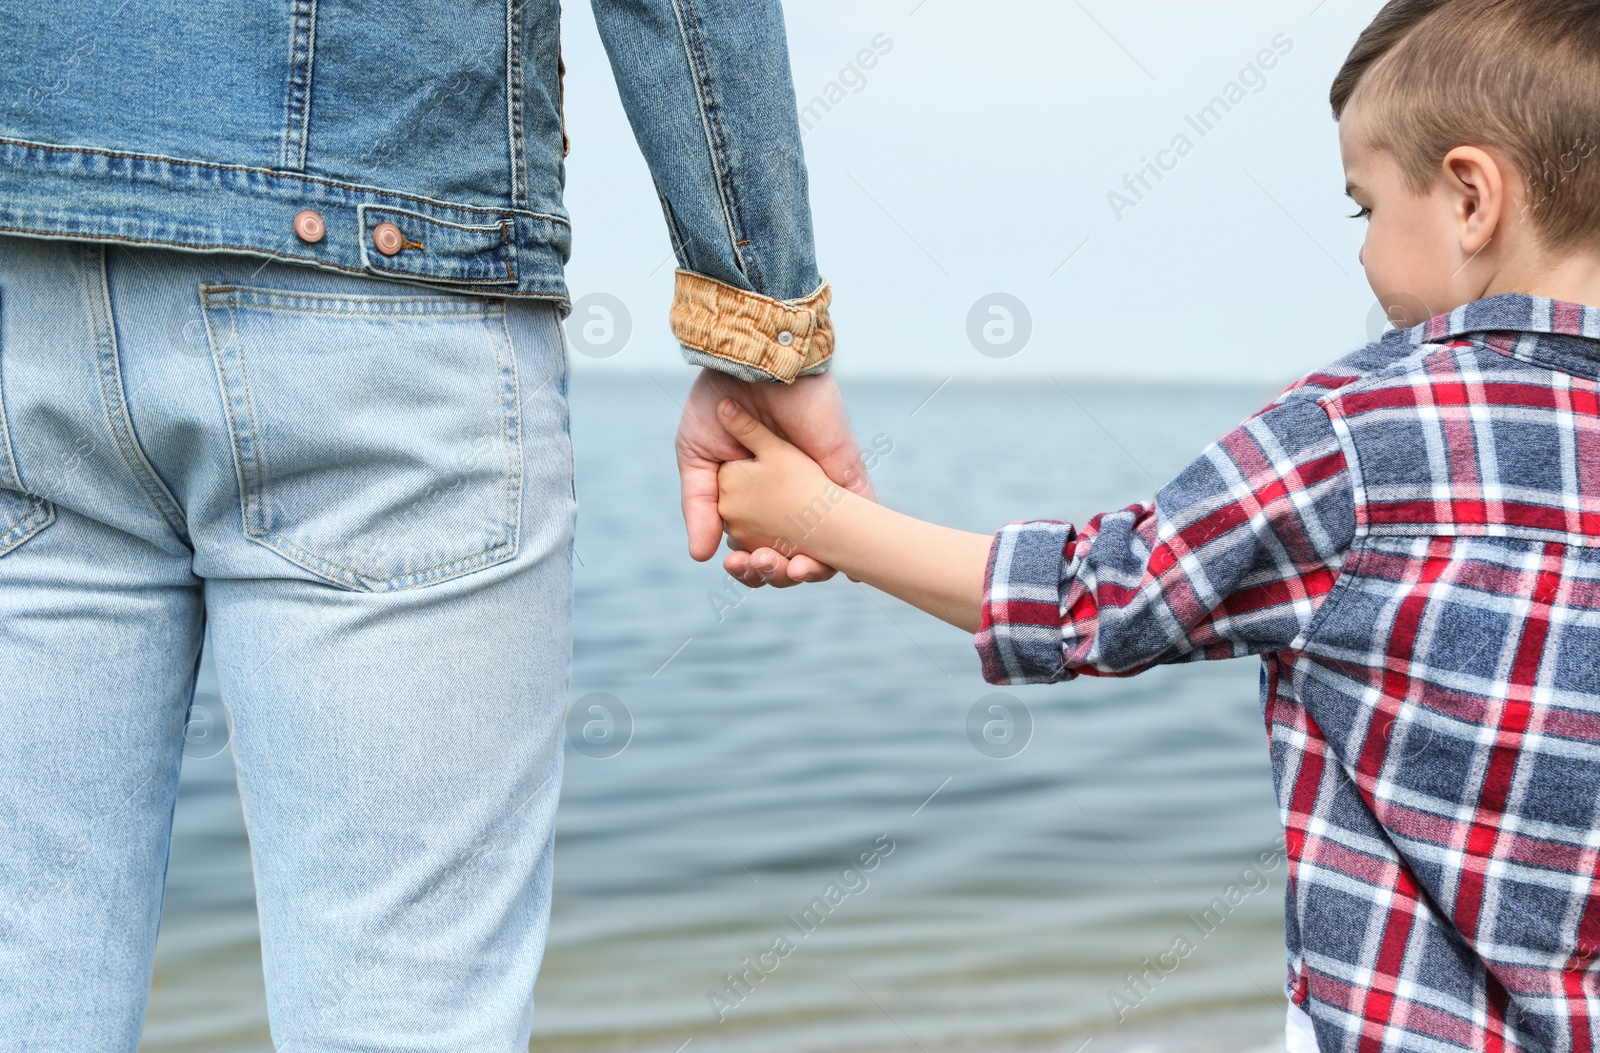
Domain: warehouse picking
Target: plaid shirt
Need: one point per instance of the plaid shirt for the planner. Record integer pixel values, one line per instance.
(1411, 540)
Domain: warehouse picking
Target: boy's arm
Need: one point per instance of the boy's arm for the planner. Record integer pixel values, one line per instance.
(782, 500)
(1233, 557)
(929, 566)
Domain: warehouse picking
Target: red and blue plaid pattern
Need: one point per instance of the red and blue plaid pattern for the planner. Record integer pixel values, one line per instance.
(1411, 540)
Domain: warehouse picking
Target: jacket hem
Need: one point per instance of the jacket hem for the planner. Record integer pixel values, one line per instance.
(84, 194)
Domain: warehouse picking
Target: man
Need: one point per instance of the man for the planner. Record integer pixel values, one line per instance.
(280, 359)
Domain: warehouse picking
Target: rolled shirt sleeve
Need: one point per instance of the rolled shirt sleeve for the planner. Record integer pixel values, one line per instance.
(1232, 558)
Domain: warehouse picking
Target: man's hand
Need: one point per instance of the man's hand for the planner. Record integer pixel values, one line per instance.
(810, 414)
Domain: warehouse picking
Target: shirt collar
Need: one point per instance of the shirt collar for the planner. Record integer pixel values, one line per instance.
(1550, 333)
(1514, 313)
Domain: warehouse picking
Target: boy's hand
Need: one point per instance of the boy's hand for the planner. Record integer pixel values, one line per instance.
(808, 413)
(783, 500)
(776, 500)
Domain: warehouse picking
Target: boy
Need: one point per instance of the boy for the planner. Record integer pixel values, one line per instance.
(1410, 539)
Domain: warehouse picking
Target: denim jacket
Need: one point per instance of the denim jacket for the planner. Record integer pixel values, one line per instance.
(418, 140)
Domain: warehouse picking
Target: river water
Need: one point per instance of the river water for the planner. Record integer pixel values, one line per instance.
(1027, 851)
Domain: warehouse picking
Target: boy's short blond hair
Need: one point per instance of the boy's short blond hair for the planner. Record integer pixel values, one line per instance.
(1521, 77)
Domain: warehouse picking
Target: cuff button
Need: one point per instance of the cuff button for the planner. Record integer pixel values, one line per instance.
(786, 338)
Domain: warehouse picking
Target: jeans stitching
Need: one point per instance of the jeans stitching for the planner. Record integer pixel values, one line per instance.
(333, 303)
(43, 514)
(365, 583)
(115, 399)
(40, 512)
(226, 395)
(350, 313)
(252, 508)
(512, 407)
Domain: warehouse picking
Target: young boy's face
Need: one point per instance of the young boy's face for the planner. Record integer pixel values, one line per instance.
(1412, 240)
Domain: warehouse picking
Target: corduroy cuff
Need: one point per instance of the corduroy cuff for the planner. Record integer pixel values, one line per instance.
(780, 339)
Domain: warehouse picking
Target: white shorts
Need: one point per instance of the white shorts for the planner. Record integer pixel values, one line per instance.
(1301, 1039)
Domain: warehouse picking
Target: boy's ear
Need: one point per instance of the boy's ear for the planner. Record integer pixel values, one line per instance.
(1477, 181)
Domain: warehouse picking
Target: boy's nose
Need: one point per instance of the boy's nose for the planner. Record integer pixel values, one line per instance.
(1361, 254)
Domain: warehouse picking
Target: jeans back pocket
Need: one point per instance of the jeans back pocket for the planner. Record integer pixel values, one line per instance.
(22, 514)
(376, 439)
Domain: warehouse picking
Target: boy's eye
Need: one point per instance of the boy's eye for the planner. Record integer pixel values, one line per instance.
(1365, 213)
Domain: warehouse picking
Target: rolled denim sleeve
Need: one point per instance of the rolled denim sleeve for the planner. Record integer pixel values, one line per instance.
(707, 88)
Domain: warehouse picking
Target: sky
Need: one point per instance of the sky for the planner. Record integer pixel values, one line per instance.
(1023, 187)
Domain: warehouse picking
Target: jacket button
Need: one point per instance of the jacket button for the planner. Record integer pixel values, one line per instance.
(387, 239)
(309, 227)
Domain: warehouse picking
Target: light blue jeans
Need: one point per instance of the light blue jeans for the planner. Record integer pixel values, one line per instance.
(364, 490)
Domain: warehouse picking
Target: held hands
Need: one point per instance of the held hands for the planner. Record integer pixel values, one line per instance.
(810, 414)
(776, 501)
(784, 501)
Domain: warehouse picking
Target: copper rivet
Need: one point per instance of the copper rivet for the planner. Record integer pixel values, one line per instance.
(387, 239)
(309, 227)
